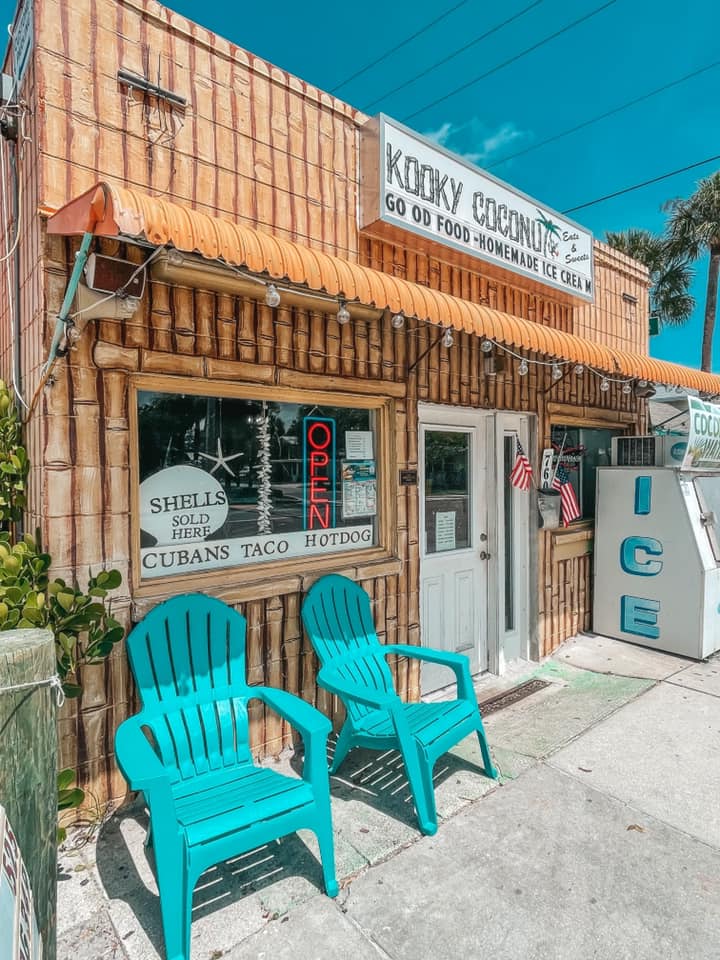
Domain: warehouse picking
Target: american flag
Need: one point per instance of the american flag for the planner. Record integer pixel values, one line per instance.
(569, 506)
(521, 474)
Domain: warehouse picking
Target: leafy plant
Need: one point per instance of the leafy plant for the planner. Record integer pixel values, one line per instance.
(69, 798)
(14, 464)
(85, 631)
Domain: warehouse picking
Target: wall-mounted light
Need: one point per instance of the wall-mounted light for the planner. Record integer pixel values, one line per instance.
(272, 295)
(343, 314)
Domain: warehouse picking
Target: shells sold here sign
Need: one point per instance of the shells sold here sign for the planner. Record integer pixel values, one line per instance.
(411, 183)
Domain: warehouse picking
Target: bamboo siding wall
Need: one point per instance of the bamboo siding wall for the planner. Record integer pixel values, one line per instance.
(219, 338)
(620, 322)
(262, 147)
(255, 144)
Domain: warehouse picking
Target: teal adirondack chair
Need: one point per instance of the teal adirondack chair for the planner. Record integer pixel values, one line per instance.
(207, 800)
(338, 620)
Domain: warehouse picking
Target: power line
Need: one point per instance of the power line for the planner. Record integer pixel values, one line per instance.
(451, 56)
(603, 116)
(398, 46)
(506, 63)
(645, 183)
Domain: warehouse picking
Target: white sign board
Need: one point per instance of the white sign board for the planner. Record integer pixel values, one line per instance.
(182, 504)
(163, 561)
(411, 183)
(546, 470)
(703, 446)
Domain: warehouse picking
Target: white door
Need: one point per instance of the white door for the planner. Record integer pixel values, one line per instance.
(453, 535)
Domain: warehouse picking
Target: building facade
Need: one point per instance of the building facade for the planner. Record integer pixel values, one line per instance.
(269, 372)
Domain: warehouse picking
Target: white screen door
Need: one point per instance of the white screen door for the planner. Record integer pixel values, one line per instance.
(453, 548)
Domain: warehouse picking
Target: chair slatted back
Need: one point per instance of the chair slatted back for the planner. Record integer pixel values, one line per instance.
(188, 659)
(338, 619)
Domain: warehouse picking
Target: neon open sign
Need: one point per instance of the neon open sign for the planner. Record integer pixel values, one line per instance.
(318, 473)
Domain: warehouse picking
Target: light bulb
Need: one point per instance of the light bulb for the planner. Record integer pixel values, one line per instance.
(556, 371)
(447, 338)
(523, 368)
(579, 369)
(398, 321)
(72, 333)
(343, 314)
(642, 383)
(604, 384)
(626, 387)
(486, 346)
(272, 295)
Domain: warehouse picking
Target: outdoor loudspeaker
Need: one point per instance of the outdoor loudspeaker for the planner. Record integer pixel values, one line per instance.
(93, 305)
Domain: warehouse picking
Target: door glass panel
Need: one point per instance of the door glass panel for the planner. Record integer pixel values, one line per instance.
(447, 490)
(509, 524)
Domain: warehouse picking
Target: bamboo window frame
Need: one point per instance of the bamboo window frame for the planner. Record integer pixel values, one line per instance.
(385, 458)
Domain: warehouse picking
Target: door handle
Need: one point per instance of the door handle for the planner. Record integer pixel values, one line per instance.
(484, 555)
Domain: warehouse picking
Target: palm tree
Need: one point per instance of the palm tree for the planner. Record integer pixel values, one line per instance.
(694, 229)
(670, 273)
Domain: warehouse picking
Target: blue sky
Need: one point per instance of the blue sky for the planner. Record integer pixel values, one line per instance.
(626, 50)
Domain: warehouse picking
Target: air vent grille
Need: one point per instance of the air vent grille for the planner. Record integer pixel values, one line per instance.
(636, 451)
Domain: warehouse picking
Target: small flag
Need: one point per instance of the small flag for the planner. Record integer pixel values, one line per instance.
(569, 506)
(521, 474)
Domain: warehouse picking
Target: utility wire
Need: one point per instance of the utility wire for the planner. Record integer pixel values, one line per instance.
(506, 63)
(398, 46)
(603, 116)
(638, 186)
(451, 56)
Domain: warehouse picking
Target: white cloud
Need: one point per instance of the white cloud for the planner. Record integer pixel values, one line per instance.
(474, 142)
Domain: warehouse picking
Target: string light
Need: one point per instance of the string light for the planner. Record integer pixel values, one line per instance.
(272, 295)
(343, 314)
(486, 346)
(398, 321)
(556, 371)
(447, 338)
(524, 368)
(626, 387)
(579, 369)
(604, 384)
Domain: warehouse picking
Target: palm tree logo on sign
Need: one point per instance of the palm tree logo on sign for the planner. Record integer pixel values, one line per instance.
(551, 245)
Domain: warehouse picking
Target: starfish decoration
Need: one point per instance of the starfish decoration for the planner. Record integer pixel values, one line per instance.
(219, 460)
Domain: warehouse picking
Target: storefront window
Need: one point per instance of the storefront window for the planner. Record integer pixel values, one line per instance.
(230, 482)
(581, 451)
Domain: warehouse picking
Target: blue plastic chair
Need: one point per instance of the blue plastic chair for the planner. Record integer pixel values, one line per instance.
(207, 800)
(338, 621)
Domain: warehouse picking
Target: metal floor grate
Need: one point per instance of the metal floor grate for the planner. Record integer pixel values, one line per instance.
(513, 695)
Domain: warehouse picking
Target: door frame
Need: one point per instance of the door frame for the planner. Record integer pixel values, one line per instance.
(520, 641)
(491, 427)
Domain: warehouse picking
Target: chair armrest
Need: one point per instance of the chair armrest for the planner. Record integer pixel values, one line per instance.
(457, 662)
(138, 762)
(305, 718)
(343, 689)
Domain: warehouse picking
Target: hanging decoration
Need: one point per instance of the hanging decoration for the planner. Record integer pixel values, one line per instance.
(264, 468)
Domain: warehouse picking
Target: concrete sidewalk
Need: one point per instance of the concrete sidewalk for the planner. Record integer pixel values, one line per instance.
(603, 840)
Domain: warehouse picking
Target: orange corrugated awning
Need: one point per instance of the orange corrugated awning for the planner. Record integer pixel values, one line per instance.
(108, 210)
